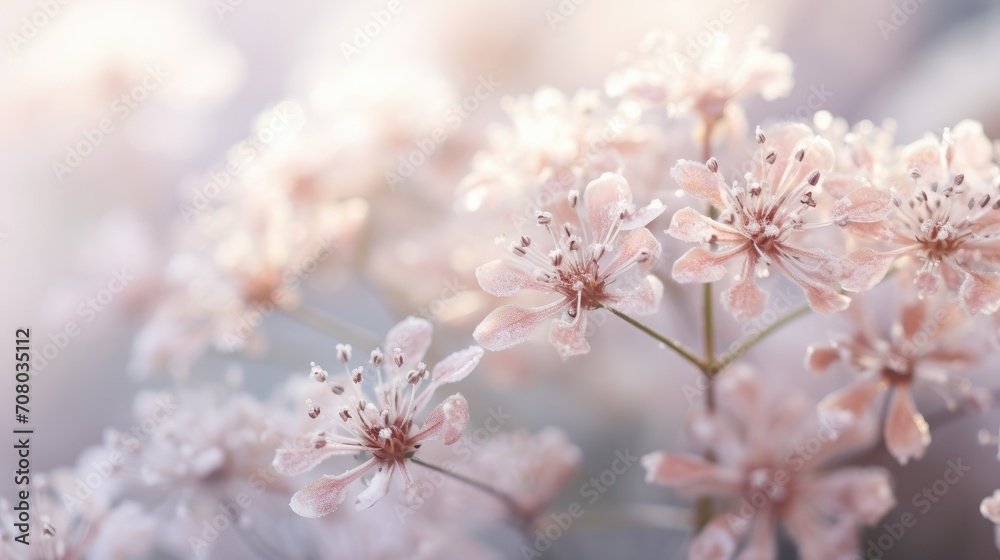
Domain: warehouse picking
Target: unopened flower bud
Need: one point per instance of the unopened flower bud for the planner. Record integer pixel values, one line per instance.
(344, 353)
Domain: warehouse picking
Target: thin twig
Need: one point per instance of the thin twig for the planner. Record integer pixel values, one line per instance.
(515, 509)
(750, 342)
(672, 344)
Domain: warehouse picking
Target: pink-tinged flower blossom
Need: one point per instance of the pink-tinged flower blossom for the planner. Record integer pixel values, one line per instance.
(602, 259)
(662, 73)
(763, 221)
(530, 468)
(990, 509)
(946, 224)
(66, 525)
(384, 428)
(768, 466)
(920, 348)
(554, 144)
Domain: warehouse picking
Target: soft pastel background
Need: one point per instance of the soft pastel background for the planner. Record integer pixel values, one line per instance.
(61, 240)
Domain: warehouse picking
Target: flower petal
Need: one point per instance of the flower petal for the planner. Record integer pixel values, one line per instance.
(457, 365)
(864, 205)
(643, 300)
(700, 265)
(511, 325)
(448, 419)
(687, 224)
(642, 216)
(605, 198)
(906, 432)
(852, 399)
(295, 461)
(569, 337)
(413, 337)
(698, 181)
(504, 278)
(321, 497)
(377, 489)
(744, 299)
(688, 474)
(861, 270)
(980, 292)
(631, 244)
(820, 358)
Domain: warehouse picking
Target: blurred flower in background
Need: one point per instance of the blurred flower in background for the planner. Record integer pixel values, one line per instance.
(202, 199)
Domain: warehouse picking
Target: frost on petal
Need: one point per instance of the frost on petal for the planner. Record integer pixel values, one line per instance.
(295, 461)
(511, 325)
(643, 300)
(821, 298)
(448, 419)
(990, 507)
(413, 336)
(690, 225)
(744, 299)
(457, 365)
(700, 265)
(852, 399)
(605, 198)
(642, 216)
(688, 473)
(927, 283)
(861, 270)
(864, 205)
(820, 358)
(569, 337)
(698, 180)
(377, 489)
(503, 278)
(321, 497)
(631, 244)
(906, 432)
(865, 492)
(980, 292)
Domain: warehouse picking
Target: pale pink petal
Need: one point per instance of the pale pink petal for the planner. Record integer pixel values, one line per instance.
(927, 283)
(980, 292)
(606, 198)
(821, 298)
(839, 186)
(688, 473)
(690, 225)
(642, 300)
(744, 299)
(763, 541)
(295, 461)
(697, 180)
(321, 497)
(864, 205)
(912, 317)
(569, 338)
(377, 489)
(413, 337)
(638, 243)
(719, 539)
(504, 278)
(990, 507)
(864, 492)
(906, 432)
(852, 399)
(861, 270)
(820, 358)
(926, 155)
(511, 325)
(457, 365)
(700, 265)
(448, 419)
(642, 216)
